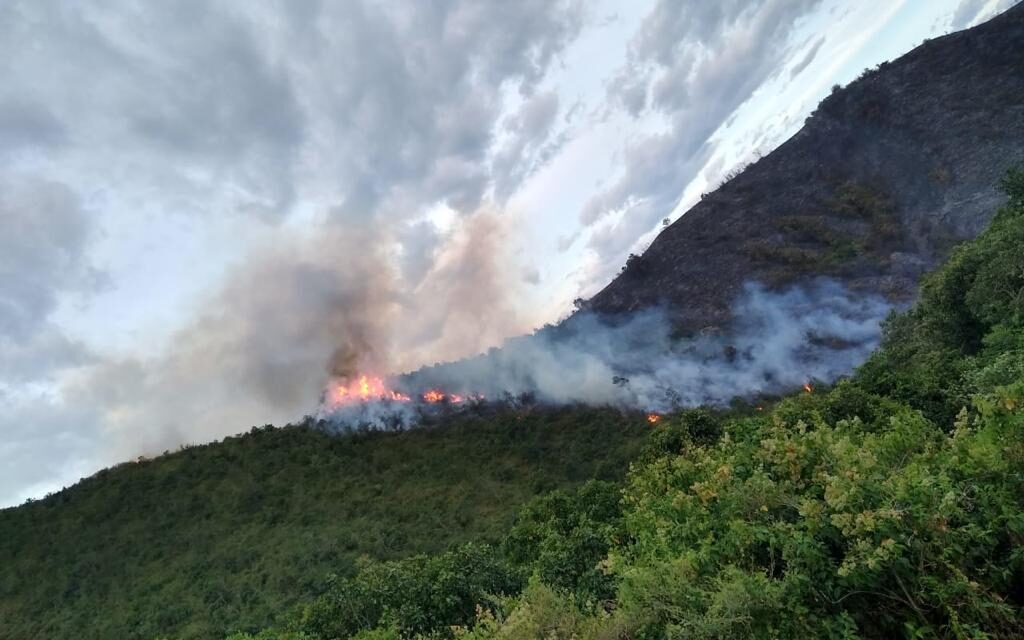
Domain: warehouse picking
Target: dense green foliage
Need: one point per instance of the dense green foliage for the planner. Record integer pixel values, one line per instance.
(227, 536)
(964, 337)
(414, 596)
(889, 506)
(562, 537)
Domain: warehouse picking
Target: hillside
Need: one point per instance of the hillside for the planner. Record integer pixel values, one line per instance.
(227, 535)
(884, 178)
(889, 506)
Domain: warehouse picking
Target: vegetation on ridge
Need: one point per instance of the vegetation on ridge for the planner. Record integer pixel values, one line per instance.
(888, 506)
(891, 505)
(228, 535)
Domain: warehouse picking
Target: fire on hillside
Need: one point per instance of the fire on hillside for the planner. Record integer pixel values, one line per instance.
(368, 388)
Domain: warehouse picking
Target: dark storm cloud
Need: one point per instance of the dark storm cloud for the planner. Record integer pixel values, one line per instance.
(694, 63)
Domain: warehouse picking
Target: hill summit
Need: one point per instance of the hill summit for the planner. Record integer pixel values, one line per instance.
(886, 176)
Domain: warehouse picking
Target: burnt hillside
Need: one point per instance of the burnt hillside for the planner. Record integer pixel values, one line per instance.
(884, 178)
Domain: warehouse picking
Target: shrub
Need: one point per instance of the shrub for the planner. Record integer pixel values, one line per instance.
(830, 530)
(562, 537)
(414, 596)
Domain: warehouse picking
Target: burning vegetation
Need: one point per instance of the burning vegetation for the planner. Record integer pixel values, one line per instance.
(363, 389)
(366, 389)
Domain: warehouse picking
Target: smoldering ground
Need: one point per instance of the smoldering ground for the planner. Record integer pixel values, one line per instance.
(311, 309)
(778, 341)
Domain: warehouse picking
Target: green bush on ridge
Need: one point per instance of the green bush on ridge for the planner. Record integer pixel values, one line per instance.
(889, 506)
(233, 536)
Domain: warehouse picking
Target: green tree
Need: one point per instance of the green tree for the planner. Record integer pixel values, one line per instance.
(563, 536)
(417, 595)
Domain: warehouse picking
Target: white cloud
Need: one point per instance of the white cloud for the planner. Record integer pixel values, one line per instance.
(118, 118)
(695, 63)
(223, 164)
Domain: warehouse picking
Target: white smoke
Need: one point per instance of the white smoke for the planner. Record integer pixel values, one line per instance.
(307, 308)
(778, 341)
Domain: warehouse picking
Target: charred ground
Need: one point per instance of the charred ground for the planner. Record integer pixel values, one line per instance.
(885, 177)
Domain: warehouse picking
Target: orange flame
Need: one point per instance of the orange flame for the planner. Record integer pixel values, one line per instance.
(808, 388)
(366, 388)
(653, 418)
(363, 389)
(436, 395)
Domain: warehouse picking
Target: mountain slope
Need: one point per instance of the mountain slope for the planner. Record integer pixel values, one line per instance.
(225, 536)
(889, 506)
(883, 179)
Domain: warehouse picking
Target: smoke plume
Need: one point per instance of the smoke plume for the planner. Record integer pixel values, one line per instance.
(778, 341)
(313, 312)
(303, 310)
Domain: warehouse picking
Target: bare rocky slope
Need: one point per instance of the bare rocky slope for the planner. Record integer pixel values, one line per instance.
(885, 177)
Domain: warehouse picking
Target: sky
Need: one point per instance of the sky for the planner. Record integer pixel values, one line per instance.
(209, 208)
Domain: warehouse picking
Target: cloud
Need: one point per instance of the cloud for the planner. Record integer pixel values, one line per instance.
(967, 13)
(371, 113)
(26, 126)
(423, 95)
(528, 129)
(972, 12)
(693, 64)
(531, 275)
(231, 106)
(40, 355)
(807, 59)
(171, 96)
(42, 257)
(46, 445)
(308, 308)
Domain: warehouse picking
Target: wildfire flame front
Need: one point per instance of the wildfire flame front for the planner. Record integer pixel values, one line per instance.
(368, 388)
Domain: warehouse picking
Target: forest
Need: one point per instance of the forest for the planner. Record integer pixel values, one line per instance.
(887, 505)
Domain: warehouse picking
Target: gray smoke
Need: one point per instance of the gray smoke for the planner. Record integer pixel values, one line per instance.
(303, 310)
(778, 341)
